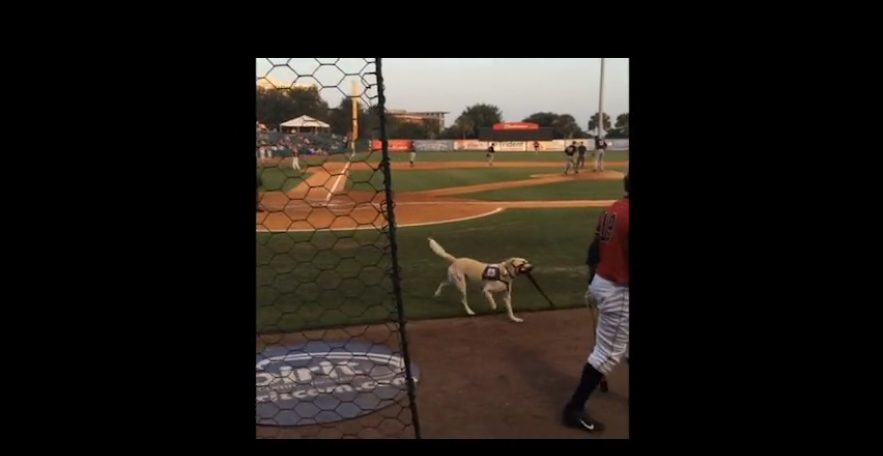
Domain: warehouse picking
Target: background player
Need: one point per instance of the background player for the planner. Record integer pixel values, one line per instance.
(536, 147)
(600, 148)
(295, 158)
(608, 260)
(257, 189)
(569, 151)
(490, 155)
(581, 156)
(413, 154)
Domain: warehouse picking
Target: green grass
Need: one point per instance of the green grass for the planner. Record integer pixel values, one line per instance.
(374, 157)
(326, 279)
(274, 178)
(562, 191)
(480, 156)
(421, 180)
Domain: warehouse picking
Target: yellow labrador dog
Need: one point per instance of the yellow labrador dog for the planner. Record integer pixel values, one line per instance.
(496, 278)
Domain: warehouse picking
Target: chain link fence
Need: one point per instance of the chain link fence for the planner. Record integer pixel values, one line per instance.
(331, 354)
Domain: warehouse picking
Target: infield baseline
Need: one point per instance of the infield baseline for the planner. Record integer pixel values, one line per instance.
(342, 174)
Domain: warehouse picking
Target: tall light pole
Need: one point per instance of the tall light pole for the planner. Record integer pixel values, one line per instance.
(601, 102)
(355, 115)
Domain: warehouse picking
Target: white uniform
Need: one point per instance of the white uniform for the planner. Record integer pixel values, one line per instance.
(295, 160)
(612, 334)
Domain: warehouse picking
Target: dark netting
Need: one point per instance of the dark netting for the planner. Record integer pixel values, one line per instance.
(331, 353)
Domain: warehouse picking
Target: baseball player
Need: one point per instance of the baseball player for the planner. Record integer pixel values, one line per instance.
(295, 158)
(569, 151)
(490, 155)
(257, 190)
(264, 149)
(581, 156)
(608, 260)
(536, 147)
(600, 148)
(413, 150)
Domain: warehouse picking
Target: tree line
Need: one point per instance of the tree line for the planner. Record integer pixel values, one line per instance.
(274, 106)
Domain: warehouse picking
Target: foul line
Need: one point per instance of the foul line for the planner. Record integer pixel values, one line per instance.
(296, 204)
(372, 227)
(346, 168)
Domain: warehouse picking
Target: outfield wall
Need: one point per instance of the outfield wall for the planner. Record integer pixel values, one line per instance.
(445, 145)
(522, 146)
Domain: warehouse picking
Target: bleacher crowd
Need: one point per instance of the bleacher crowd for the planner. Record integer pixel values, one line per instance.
(275, 144)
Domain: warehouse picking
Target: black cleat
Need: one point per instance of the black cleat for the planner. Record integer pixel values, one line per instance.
(578, 419)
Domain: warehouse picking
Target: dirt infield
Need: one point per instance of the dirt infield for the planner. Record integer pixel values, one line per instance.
(481, 377)
(510, 380)
(321, 203)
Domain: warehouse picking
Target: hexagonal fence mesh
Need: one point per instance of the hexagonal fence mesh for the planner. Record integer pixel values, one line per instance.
(331, 353)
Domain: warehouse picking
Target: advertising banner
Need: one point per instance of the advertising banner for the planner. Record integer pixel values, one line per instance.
(516, 126)
(470, 144)
(545, 146)
(511, 146)
(559, 144)
(395, 145)
(434, 145)
(617, 144)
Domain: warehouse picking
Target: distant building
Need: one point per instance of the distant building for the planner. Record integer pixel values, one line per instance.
(270, 82)
(419, 117)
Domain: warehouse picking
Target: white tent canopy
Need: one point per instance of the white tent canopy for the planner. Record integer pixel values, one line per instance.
(304, 122)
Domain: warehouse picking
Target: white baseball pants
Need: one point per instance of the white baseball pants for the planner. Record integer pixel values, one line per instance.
(612, 334)
(599, 160)
(295, 162)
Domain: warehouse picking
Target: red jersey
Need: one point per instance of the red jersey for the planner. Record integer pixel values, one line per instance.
(613, 232)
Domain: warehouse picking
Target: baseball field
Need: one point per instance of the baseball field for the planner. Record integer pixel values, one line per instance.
(323, 264)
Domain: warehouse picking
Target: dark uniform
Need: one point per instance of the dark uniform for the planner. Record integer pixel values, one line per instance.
(490, 155)
(569, 151)
(581, 156)
(600, 148)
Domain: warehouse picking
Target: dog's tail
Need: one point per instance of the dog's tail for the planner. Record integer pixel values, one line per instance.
(438, 250)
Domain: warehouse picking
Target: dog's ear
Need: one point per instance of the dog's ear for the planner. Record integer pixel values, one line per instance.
(509, 268)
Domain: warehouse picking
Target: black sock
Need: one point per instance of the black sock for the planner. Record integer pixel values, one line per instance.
(587, 384)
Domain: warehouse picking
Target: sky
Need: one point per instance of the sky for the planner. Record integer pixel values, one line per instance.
(519, 87)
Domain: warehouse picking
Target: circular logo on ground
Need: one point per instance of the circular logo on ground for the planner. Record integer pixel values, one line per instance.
(324, 382)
